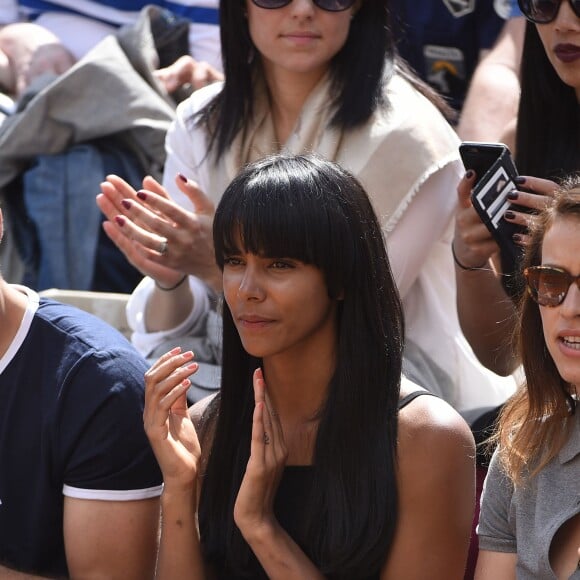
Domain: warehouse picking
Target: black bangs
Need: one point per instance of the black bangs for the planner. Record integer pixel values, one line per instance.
(287, 208)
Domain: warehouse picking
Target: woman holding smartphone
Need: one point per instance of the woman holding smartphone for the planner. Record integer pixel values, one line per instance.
(529, 523)
(545, 142)
(314, 460)
(300, 76)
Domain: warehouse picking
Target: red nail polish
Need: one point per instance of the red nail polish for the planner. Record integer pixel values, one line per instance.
(120, 220)
(142, 195)
(182, 177)
(126, 203)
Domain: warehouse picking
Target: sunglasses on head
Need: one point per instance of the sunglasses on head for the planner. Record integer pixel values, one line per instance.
(544, 11)
(548, 285)
(328, 5)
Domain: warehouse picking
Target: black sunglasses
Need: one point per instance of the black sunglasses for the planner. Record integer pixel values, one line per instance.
(328, 5)
(548, 286)
(544, 11)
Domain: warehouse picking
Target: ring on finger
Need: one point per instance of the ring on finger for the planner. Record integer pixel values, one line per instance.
(266, 438)
(163, 246)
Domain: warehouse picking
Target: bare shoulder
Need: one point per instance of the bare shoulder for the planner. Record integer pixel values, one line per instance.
(436, 487)
(428, 424)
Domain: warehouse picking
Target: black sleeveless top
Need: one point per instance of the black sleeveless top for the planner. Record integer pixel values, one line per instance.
(291, 497)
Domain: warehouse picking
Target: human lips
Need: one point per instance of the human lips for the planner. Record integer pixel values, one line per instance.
(567, 53)
(569, 340)
(301, 37)
(253, 321)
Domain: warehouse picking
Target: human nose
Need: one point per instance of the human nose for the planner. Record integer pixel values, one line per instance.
(302, 7)
(571, 305)
(251, 287)
(566, 17)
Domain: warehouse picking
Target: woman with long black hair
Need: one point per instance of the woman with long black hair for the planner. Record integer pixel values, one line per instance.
(315, 459)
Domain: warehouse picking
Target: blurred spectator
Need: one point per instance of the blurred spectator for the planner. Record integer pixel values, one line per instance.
(443, 40)
(30, 51)
(79, 26)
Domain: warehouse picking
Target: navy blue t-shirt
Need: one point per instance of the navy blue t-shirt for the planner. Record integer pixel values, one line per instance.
(442, 39)
(71, 404)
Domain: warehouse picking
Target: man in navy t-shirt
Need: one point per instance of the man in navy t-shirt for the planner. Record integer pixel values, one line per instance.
(79, 485)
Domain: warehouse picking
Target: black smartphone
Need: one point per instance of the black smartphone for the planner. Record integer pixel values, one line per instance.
(496, 173)
(480, 156)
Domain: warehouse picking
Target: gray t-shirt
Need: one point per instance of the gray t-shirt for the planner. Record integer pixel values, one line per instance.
(525, 519)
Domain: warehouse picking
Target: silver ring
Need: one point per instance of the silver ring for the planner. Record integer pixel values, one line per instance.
(163, 247)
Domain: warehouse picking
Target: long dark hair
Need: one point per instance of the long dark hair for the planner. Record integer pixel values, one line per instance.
(548, 126)
(359, 72)
(309, 209)
(534, 423)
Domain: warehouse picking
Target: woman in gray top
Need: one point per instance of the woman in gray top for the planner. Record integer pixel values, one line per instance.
(530, 513)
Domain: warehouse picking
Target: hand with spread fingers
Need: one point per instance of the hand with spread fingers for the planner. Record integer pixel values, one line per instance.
(254, 507)
(159, 237)
(167, 422)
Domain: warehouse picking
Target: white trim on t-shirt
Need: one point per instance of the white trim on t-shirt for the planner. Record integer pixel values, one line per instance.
(112, 494)
(22, 332)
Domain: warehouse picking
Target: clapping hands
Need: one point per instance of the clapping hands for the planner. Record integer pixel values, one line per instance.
(254, 507)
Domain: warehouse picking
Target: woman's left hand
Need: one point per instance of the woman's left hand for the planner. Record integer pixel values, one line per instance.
(254, 507)
(535, 199)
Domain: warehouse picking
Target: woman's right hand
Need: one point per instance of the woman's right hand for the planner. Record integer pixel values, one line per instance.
(254, 506)
(166, 420)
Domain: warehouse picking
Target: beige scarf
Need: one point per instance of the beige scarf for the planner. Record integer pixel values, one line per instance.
(392, 154)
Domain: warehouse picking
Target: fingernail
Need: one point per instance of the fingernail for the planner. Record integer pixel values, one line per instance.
(510, 215)
(519, 179)
(120, 220)
(126, 203)
(513, 195)
(182, 177)
(142, 195)
(517, 238)
(469, 173)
